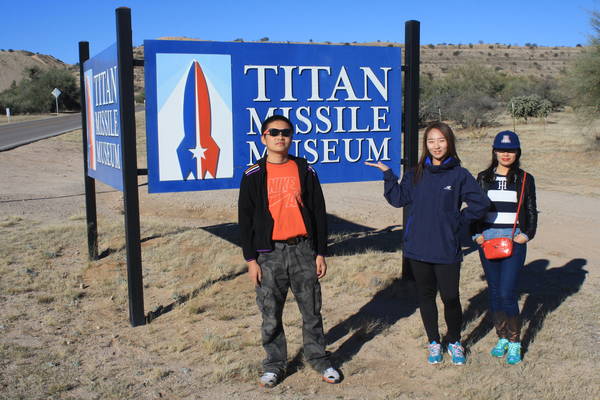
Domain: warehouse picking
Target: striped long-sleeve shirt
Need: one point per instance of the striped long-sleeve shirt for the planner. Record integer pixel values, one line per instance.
(503, 211)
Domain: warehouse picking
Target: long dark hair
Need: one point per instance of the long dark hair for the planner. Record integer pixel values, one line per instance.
(451, 151)
(489, 173)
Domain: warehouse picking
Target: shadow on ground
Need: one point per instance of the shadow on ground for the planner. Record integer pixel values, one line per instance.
(348, 237)
(546, 289)
(351, 238)
(394, 302)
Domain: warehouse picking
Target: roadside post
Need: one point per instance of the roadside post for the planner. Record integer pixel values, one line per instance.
(130, 171)
(109, 143)
(88, 181)
(56, 92)
(411, 113)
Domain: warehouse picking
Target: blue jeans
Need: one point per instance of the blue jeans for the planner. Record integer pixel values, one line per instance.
(502, 276)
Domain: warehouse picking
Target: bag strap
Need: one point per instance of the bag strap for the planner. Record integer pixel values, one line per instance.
(519, 206)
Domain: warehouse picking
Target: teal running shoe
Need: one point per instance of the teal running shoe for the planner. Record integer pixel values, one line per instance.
(435, 353)
(457, 352)
(513, 356)
(500, 349)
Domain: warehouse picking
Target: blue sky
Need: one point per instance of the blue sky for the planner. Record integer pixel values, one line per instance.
(55, 27)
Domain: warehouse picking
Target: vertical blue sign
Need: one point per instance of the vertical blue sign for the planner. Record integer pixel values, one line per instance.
(205, 102)
(103, 120)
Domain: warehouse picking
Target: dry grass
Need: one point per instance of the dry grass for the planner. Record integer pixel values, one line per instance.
(24, 117)
(64, 331)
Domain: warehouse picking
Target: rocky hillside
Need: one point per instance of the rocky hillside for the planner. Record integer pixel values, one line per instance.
(13, 65)
(438, 59)
(435, 59)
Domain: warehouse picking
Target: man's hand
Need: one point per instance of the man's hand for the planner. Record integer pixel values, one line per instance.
(254, 272)
(521, 239)
(321, 266)
(379, 165)
(479, 240)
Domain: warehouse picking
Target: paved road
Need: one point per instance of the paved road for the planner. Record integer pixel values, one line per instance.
(19, 133)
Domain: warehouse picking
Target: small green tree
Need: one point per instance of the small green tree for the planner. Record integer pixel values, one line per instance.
(583, 80)
(32, 94)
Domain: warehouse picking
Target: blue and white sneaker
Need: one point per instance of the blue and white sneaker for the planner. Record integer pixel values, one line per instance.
(457, 352)
(435, 353)
(500, 348)
(331, 375)
(513, 355)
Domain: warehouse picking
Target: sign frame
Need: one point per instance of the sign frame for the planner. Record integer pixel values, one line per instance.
(356, 111)
(102, 103)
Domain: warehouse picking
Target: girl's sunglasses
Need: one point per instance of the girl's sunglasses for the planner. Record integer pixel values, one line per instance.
(274, 132)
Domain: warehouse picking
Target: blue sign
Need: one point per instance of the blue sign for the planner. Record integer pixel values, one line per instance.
(205, 102)
(101, 82)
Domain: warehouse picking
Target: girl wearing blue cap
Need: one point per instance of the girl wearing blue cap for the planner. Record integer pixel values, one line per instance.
(503, 183)
(435, 191)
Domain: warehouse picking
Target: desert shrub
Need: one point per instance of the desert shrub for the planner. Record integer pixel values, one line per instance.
(466, 95)
(140, 97)
(583, 78)
(548, 88)
(33, 93)
(525, 107)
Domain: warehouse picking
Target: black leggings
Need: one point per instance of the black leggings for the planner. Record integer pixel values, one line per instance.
(429, 277)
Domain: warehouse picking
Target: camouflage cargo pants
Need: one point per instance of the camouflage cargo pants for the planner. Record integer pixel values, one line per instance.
(290, 266)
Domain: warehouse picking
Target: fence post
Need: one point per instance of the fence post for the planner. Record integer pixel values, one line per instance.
(130, 173)
(411, 112)
(89, 183)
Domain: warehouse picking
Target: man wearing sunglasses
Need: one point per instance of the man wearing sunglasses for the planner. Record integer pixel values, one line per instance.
(283, 227)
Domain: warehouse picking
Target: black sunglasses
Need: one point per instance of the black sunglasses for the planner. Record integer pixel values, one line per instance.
(274, 132)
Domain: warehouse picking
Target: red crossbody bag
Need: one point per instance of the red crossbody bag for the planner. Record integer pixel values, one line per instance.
(503, 247)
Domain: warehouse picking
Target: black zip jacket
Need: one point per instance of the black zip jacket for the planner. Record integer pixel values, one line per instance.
(528, 214)
(254, 217)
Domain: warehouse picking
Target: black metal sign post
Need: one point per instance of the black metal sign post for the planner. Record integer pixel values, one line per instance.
(129, 164)
(411, 111)
(89, 182)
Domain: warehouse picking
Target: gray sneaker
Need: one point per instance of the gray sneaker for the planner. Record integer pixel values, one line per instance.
(268, 380)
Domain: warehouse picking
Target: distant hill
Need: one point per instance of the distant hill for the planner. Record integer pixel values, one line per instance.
(532, 60)
(513, 60)
(435, 60)
(13, 65)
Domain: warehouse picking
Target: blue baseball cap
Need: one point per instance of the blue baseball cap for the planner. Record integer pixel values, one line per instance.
(506, 140)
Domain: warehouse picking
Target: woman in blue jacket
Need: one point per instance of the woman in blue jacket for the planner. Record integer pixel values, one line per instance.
(435, 191)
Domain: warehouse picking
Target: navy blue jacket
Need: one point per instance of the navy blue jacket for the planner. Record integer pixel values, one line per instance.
(435, 218)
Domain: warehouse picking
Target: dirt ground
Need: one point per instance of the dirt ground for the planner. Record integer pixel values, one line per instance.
(64, 330)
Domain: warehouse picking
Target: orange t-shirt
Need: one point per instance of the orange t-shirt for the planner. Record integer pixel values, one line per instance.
(285, 198)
